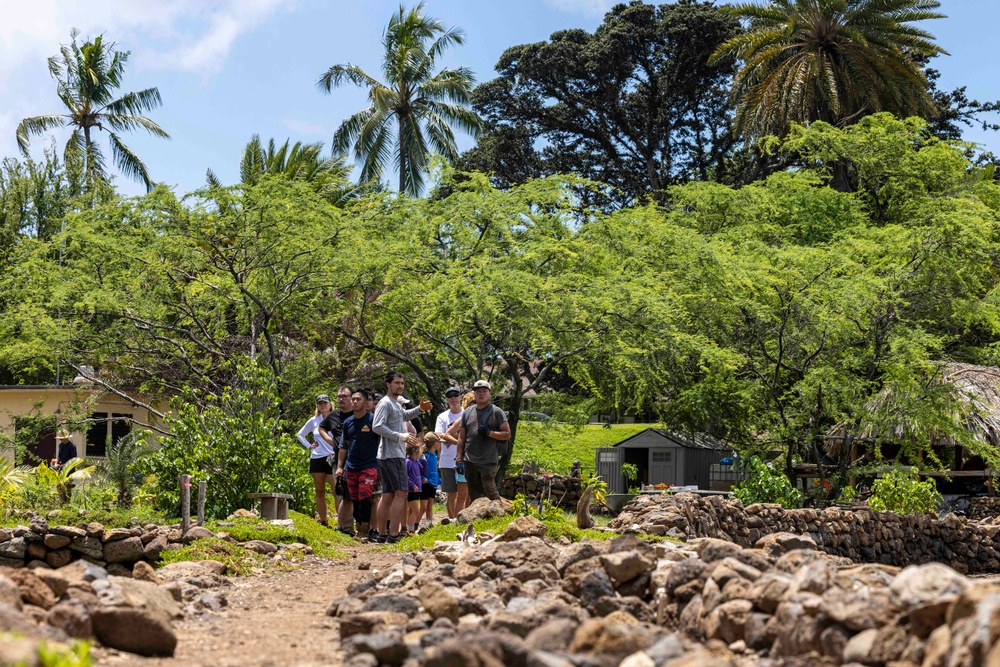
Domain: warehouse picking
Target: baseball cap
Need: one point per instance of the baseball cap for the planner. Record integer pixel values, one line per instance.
(481, 384)
(452, 391)
(322, 398)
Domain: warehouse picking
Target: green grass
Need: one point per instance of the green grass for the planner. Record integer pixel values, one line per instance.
(118, 518)
(323, 540)
(555, 446)
(238, 561)
(497, 525)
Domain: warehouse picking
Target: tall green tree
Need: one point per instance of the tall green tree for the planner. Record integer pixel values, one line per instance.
(829, 60)
(633, 105)
(412, 113)
(87, 78)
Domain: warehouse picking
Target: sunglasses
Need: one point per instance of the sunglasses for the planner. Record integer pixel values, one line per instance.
(452, 395)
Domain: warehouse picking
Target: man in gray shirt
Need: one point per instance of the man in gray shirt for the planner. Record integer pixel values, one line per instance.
(484, 426)
(389, 423)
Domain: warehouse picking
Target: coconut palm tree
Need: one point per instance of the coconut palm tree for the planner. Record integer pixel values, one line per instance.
(413, 112)
(88, 77)
(829, 60)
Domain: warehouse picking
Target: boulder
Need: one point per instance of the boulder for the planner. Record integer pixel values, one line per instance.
(482, 508)
(71, 617)
(438, 602)
(261, 547)
(153, 548)
(524, 526)
(919, 584)
(143, 571)
(58, 558)
(608, 638)
(10, 594)
(197, 533)
(781, 543)
(34, 590)
(53, 541)
(135, 630)
(14, 548)
(123, 550)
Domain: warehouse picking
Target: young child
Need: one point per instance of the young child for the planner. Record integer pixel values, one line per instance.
(415, 468)
(432, 479)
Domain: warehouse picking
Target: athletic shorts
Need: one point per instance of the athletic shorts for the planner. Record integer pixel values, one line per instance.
(393, 474)
(320, 465)
(428, 492)
(448, 482)
(414, 495)
(361, 483)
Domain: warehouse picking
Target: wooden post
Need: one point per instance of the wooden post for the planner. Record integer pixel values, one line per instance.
(201, 502)
(185, 482)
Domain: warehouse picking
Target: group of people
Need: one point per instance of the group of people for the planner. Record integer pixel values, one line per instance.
(375, 447)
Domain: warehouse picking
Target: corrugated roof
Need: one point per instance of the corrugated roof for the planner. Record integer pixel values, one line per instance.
(684, 439)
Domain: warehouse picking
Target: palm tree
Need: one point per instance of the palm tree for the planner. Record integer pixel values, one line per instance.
(412, 113)
(119, 465)
(829, 60)
(87, 80)
(298, 162)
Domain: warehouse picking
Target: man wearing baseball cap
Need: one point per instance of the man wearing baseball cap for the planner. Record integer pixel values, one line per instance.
(483, 427)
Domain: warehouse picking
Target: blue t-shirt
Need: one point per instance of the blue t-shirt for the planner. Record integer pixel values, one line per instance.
(361, 443)
(433, 478)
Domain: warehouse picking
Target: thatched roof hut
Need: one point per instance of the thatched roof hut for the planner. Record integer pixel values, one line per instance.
(974, 393)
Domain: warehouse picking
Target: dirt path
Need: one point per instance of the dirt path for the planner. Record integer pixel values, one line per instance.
(272, 620)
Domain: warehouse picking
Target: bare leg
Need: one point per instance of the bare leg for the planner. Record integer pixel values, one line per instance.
(452, 504)
(319, 484)
(428, 509)
(385, 510)
(463, 497)
(397, 511)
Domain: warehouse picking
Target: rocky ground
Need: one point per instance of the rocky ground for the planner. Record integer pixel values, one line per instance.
(521, 598)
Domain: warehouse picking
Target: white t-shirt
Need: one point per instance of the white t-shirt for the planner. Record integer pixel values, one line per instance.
(448, 450)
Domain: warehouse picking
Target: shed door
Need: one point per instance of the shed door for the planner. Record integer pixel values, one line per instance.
(662, 466)
(609, 468)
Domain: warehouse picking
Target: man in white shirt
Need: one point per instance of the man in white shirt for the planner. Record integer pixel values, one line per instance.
(449, 447)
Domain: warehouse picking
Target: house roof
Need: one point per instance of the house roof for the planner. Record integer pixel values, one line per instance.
(976, 408)
(683, 438)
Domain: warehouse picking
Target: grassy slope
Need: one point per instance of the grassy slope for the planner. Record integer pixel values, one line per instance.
(555, 447)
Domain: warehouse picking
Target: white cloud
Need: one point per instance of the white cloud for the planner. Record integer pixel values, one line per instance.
(190, 35)
(588, 8)
(305, 128)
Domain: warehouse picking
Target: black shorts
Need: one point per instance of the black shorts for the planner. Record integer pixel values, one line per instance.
(320, 465)
(392, 472)
(414, 495)
(428, 492)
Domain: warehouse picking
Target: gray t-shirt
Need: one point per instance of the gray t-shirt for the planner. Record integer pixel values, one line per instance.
(389, 422)
(481, 451)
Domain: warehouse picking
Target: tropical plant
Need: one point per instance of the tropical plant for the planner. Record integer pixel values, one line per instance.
(630, 472)
(297, 162)
(87, 79)
(119, 465)
(421, 104)
(900, 490)
(830, 60)
(764, 484)
(73, 473)
(11, 479)
(600, 489)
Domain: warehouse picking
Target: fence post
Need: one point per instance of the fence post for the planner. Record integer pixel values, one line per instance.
(185, 482)
(201, 502)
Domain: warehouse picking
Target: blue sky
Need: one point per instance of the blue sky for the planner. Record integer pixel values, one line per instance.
(227, 69)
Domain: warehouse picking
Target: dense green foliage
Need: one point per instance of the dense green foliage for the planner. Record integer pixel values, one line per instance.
(764, 484)
(900, 490)
(829, 60)
(236, 442)
(633, 105)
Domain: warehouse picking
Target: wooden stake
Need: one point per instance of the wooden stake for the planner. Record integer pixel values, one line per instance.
(185, 482)
(201, 502)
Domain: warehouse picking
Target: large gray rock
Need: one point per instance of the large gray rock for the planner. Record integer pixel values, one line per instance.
(123, 550)
(919, 584)
(71, 617)
(9, 593)
(134, 630)
(14, 548)
(88, 546)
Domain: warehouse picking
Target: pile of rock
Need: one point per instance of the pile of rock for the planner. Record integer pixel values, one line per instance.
(562, 491)
(521, 599)
(82, 601)
(39, 545)
(861, 535)
(984, 508)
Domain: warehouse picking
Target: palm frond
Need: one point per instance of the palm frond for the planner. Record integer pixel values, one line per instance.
(34, 126)
(128, 162)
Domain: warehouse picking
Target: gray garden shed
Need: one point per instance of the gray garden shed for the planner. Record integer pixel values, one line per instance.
(661, 456)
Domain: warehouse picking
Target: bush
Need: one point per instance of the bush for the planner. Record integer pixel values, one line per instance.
(236, 442)
(766, 485)
(900, 490)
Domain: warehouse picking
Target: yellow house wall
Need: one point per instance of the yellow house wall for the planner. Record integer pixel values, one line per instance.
(18, 401)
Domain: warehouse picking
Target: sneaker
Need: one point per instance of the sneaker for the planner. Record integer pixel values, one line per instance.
(393, 539)
(379, 538)
(373, 535)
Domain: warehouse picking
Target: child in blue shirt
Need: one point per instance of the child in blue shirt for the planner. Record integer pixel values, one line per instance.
(432, 479)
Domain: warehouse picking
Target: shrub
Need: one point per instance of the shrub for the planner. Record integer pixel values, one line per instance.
(236, 442)
(766, 485)
(544, 511)
(900, 490)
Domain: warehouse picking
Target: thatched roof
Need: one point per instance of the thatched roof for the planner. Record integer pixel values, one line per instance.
(976, 407)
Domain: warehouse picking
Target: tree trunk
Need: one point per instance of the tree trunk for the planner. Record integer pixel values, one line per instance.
(402, 159)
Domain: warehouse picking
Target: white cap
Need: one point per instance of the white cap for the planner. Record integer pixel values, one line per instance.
(481, 384)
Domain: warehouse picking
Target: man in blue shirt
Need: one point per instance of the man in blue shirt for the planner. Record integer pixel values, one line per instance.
(357, 462)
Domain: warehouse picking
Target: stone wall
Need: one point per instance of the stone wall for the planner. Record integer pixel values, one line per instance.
(39, 545)
(860, 535)
(565, 490)
(984, 507)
